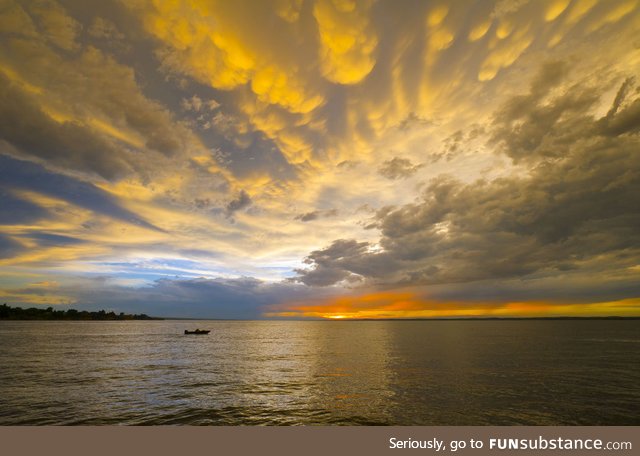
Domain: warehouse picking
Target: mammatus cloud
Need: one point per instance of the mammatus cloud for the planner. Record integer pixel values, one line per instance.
(573, 212)
(347, 39)
(417, 157)
(325, 81)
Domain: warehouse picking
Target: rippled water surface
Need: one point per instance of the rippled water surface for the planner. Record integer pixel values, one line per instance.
(321, 372)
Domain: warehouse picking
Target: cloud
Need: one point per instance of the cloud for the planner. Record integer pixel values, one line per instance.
(197, 104)
(309, 216)
(57, 26)
(16, 210)
(506, 52)
(398, 168)
(314, 215)
(105, 34)
(104, 29)
(347, 39)
(204, 40)
(256, 54)
(9, 247)
(134, 133)
(22, 175)
(325, 82)
(527, 124)
(66, 144)
(334, 264)
(49, 239)
(88, 109)
(622, 117)
(241, 202)
(238, 298)
(573, 213)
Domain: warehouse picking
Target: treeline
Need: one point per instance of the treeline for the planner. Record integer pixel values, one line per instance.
(33, 313)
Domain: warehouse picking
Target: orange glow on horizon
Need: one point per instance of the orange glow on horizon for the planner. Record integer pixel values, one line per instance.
(408, 305)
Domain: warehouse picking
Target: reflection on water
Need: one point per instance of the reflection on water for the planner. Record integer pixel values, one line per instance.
(325, 372)
(350, 369)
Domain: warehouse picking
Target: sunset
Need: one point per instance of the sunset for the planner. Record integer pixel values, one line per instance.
(223, 159)
(335, 212)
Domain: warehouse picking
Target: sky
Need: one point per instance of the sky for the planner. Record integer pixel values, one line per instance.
(321, 158)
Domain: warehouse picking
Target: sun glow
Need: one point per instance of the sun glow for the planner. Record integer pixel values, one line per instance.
(325, 159)
(407, 305)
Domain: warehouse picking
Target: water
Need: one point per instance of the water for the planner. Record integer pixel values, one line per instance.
(321, 372)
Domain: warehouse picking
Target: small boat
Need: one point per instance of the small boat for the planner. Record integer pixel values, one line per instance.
(197, 331)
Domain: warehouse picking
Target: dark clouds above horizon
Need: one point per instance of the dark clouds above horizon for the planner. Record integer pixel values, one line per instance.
(575, 210)
(238, 160)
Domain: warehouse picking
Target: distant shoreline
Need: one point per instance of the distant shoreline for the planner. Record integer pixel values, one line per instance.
(613, 317)
(8, 313)
(402, 319)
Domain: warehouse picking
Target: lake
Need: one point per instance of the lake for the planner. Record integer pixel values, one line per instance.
(520, 372)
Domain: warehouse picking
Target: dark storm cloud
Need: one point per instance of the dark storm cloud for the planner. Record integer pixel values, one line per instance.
(398, 168)
(622, 119)
(239, 298)
(528, 128)
(66, 144)
(560, 288)
(19, 174)
(66, 100)
(343, 260)
(575, 212)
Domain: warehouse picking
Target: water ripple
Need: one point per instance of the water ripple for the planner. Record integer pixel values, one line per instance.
(297, 373)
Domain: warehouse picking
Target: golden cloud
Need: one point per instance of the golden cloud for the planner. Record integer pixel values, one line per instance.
(211, 42)
(347, 39)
